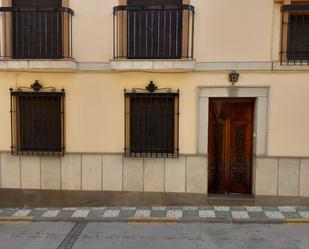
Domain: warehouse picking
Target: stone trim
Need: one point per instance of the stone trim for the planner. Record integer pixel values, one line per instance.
(261, 115)
(145, 65)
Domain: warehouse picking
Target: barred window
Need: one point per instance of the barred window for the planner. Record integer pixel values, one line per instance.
(295, 34)
(151, 124)
(37, 123)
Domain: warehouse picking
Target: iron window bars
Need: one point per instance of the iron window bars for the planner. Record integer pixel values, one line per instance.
(37, 121)
(295, 35)
(153, 32)
(151, 122)
(36, 33)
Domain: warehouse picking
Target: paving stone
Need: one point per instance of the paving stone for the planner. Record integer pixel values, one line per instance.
(155, 208)
(304, 214)
(287, 209)
(22, 212)
(111, 213)
(221, 208)
(65, 214)
(190, 208)
(207, 214)
(129, 208)
(274, 215)
(127, 213)
(254, 209)
(36, 213)
(158, 213)
(80, 213)
(174, 214)
(238, 208)
(224, 215)
(69, 208)
(291, 215)
(206, 208)
(190, 213)
(95, 214)
(302, 208)
(51, 213)
(143, 213)
(271, 209)
(7, 212)
(240, 215)
(256, 215)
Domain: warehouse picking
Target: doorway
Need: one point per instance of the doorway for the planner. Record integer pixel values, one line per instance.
(230, 145)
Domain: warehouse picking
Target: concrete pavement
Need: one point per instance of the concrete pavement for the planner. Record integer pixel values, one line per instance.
(107, 235)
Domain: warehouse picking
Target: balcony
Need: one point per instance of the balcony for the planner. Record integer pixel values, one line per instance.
(153, 37)
(35, 38)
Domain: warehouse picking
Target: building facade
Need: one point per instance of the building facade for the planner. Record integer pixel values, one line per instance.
(188, 98)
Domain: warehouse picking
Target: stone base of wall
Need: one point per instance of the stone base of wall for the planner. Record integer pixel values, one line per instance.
(102, 172)
(272, 176)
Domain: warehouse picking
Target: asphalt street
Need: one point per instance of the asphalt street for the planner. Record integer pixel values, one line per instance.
(61, 235)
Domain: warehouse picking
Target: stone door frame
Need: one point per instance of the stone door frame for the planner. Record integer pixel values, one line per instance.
(261, 114)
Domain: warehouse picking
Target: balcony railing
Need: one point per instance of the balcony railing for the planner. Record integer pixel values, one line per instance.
(295, 35)
(153, 32)
(35, 33)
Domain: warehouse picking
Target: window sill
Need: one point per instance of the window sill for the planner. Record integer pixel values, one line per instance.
(277, 66)
(37, 65)
(158, 65)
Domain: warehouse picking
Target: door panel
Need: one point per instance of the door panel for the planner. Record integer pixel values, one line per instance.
(230, 145)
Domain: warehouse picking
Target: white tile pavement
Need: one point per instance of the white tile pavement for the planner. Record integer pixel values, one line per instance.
(222, 208)
(81, 213)
(22, 212)
(240, 215)
(274, 215)
(142, 213)
(174, 213)
(304, 215)
(111, 213)
(207, 214)
(51, 213)
(254, 209)
(287, 209)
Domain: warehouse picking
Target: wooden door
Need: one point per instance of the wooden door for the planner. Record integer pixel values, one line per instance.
(230, 145)
(154, 33)
(37, 33)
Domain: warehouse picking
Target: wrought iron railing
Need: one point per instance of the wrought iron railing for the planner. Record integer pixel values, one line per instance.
(153, 32)
(295, 35)
(36, 33)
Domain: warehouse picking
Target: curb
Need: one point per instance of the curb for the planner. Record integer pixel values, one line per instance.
(17, 218)
(298, 221)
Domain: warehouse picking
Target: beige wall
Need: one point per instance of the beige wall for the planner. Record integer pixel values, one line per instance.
(95, 102)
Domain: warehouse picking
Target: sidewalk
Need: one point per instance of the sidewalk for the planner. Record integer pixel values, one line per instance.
(228, 214)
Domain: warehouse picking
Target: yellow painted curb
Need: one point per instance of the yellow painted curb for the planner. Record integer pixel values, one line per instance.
(297, 220)
(153, 219)
(17, 218)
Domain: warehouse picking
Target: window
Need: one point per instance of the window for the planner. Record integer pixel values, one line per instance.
(295, 34)
(154, 29)
(37, 122)
(151, 124)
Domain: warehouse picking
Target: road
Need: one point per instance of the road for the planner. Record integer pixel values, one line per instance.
(57, 235)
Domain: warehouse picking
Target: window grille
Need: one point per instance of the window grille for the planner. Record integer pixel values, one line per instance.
(151, 124)
(37, 122)
(295, 35)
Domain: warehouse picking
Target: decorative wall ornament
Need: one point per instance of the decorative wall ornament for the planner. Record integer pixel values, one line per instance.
(36, 86)
(151, 88)
(233, 77)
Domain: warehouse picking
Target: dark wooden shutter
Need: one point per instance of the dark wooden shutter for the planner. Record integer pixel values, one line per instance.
(37, 33)
(152, 124)
(155, 33)
(298, 38)
(40, 122)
